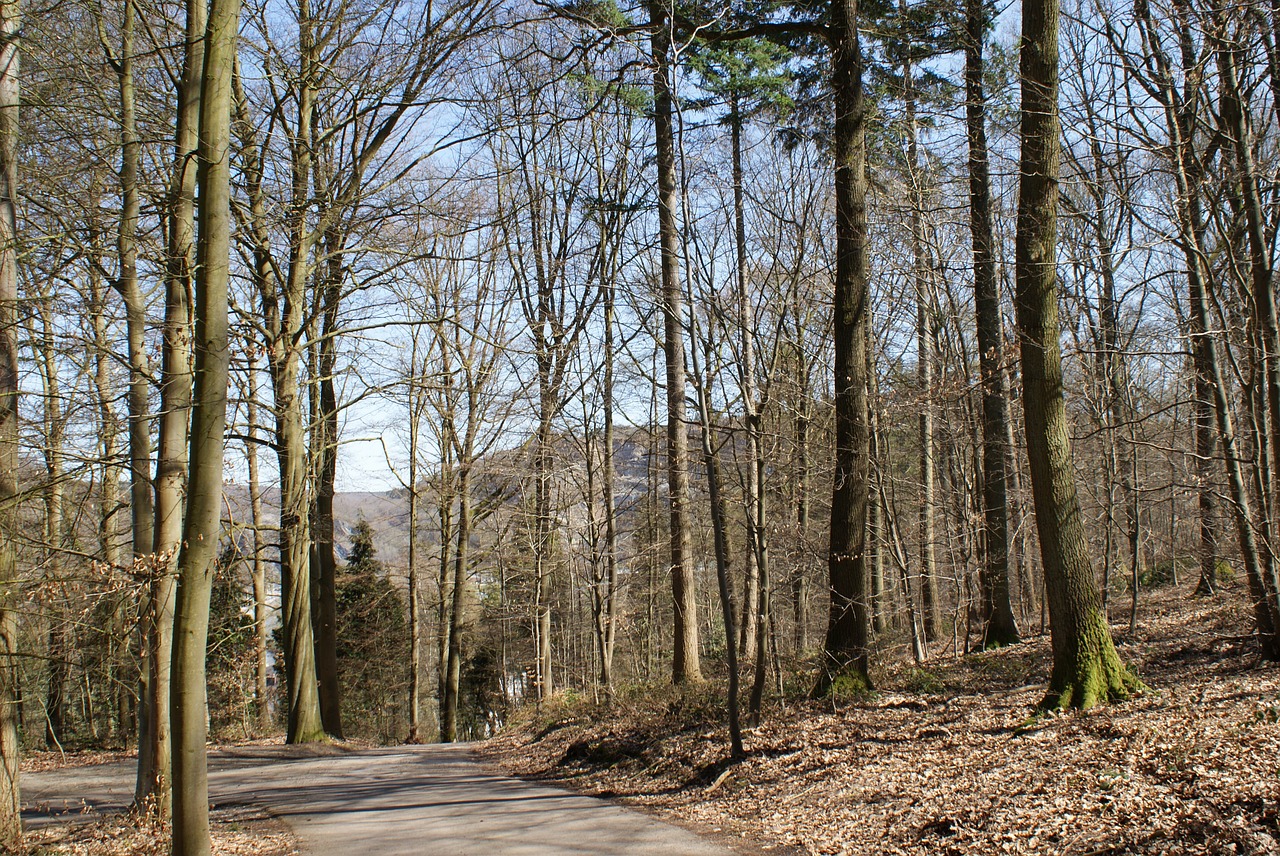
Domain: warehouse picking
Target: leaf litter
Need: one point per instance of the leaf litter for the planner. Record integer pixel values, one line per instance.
(949, 759)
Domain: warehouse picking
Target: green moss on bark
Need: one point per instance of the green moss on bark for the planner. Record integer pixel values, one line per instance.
(1091, 675)
(846, 683)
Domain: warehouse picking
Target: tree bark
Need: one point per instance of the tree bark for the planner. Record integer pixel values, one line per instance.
(999, 626)
(1182, 111)
(610, 607)
(61, 643)
(845, 652)
(286, 332)
(803, 418)
(324, 564)
(685, 661)
(720, 539)
(256, 229)
(1266, 591)
(752, 591)
(924, 368)
(757, 598)
(10, 745)
(154, 761)
(261, 701)
(445, 496)
(457, 603)
(1086, 668)
(417, 403)
(109, 535)
(202, 526)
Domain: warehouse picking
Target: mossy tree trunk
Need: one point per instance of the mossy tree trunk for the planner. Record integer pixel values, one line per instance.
(1086, 667)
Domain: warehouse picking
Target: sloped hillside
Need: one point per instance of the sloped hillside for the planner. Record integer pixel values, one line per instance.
(948, 759)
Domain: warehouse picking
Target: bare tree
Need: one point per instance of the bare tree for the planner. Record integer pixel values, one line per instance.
(845, 652)
(202, 526)
(1086, 668)
(154, 756)
(10, 805)
(686, 663)
(999, 626)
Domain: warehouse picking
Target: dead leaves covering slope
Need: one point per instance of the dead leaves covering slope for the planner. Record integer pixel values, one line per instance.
(948, 761)
(235, 830)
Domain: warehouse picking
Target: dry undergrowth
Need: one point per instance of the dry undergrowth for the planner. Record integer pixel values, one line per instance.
(236, 831)
(948, 760)
(43, 760)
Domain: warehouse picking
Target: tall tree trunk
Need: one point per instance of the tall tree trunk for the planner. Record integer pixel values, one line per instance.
(685, 661)
(896, 544)
(924, 367)
(202, 527)
(610, 510)
(1250, 549)
(760, 548)
(875, 512)
(999, 626)
(542, 527)
(1206, 496)
(127, 284)
(1182, 111)
(1031, 592)
(720, 539)
(752, 591)
(285, 324)
(1262, 293)
(154, 759)
(304, 721)
(446, 493)
(417, 402)
(119, 652)
(1086, 668)
(10, 746)
(800, 581)
(262, 703)
(260, 273)
(461, 558)
(756, 603)
(61, 643)
(324, 565)
(845, 652)
(1113, 371)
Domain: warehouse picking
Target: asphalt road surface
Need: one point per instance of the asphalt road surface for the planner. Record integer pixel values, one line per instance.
(387, 802)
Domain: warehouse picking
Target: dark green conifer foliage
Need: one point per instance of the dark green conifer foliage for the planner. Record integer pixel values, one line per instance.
(373, 642)
(230, 655)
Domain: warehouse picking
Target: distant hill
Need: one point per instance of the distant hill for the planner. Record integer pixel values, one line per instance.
(388, 511)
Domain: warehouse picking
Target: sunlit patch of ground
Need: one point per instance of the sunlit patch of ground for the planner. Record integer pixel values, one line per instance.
(947, 759)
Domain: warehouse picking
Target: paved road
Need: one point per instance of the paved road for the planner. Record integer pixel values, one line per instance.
(389, 802)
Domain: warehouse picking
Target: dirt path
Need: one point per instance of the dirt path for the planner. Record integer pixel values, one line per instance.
(402, 800)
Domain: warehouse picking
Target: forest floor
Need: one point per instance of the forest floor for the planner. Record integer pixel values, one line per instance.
(236, 830)
(949, 759)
